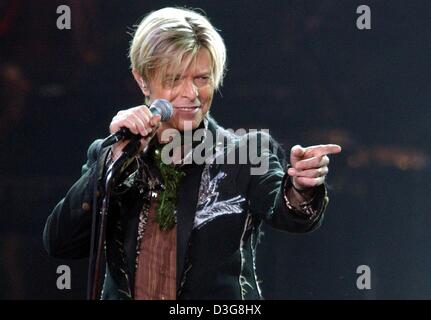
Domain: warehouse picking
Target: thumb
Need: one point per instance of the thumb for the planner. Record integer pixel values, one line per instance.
(155, 120)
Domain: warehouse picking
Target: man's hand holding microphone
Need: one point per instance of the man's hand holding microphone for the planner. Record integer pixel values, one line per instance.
(139, 122)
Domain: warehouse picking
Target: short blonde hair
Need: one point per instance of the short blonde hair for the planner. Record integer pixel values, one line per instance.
(165, 36)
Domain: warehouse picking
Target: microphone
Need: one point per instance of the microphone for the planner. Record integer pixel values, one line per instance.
(159, 106)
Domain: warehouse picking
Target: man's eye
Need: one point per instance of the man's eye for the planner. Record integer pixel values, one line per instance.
(202, 80)
(172, 82)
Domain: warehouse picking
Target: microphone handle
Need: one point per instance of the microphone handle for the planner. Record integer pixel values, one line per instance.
(123, 133)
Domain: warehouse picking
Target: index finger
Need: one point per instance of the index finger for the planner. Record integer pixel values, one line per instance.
(322, 150)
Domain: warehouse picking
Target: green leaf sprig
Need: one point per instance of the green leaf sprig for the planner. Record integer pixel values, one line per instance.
(168, 197)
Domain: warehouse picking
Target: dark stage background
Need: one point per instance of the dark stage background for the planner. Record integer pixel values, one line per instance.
(300, 68)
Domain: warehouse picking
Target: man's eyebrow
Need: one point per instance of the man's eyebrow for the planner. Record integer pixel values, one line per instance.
(199, 74)
(204, 73)
(170, 76)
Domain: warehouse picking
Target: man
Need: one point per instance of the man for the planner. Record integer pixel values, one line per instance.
(181, 230)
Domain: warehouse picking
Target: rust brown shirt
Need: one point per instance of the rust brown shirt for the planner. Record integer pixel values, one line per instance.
(156, 264)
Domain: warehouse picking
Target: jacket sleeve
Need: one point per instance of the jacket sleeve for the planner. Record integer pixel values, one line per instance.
(266, 194)
(67, 230)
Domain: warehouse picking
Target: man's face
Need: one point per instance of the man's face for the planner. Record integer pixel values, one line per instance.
(190, 90)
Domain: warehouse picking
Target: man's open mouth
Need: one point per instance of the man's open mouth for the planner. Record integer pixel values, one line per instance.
(187, 108)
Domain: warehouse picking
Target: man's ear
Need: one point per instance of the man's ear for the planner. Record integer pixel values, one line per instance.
(141, 83)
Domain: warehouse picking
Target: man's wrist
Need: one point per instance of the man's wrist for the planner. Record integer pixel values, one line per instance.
(299, 198)
(307, 193)
(300, 202)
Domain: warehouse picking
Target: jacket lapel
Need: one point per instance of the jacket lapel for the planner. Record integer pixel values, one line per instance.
(186, 208)
(187, 200)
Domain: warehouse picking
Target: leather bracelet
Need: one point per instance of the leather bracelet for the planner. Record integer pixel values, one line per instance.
(305, 209)
(301, 191)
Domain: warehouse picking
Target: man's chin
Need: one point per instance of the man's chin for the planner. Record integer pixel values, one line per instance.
(187, 125)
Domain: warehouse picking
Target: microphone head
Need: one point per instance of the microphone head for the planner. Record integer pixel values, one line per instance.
(162, 107)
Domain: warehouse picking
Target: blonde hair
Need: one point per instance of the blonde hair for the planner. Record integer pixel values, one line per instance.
(165, 36)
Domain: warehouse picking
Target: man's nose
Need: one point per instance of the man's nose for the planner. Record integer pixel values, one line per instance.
(189, 90)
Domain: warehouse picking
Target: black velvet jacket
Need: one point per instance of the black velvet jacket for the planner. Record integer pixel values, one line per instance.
(219, 210)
